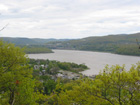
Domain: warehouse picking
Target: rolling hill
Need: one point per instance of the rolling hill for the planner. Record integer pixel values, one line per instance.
(120, 44)
(30, 41)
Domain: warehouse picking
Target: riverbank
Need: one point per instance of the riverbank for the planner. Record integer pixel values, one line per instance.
(96, 61)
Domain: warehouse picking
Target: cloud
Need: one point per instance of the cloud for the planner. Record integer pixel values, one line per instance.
(3, 7)
(69, 18)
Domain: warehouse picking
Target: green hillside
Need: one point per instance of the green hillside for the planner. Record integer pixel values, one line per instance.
(30, 41)
(29, 45)
(34, 49)
(120, 44)
(32, 45)
(19, 41)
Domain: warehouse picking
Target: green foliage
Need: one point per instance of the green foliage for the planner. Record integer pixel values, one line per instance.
(113, 86)
(16, 84)
(49, 86)
(128, 49)
(47, 75)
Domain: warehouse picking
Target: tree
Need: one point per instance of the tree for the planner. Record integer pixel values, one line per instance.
(49, 86)
(16, 83)
(113, 86)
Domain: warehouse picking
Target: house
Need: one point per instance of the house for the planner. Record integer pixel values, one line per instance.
(42, 66)
(60, 75)
(36, 67)
(68, 75)
(46, 66)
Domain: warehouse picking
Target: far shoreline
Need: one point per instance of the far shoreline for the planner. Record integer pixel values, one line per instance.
(97, 52)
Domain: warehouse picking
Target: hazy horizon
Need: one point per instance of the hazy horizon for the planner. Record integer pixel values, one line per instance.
(66, 38)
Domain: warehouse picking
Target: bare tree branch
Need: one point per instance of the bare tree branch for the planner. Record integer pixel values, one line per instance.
(4, 27)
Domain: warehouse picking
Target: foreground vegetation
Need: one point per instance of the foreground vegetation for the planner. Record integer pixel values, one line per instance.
(112, 86)
(48, 72)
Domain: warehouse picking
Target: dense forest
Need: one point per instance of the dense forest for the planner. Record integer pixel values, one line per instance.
(119, 44)
(19, 84)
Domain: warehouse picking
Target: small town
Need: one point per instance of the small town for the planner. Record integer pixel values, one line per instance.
(56, 72)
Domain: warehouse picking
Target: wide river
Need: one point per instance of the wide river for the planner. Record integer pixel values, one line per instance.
(96, 61)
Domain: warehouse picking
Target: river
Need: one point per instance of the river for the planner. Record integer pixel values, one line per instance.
(96, 61)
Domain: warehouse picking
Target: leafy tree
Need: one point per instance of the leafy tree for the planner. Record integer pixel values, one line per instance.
(49, 86)
(113, 86)
(16, 83)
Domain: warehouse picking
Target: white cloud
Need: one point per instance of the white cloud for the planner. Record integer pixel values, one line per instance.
(3, 7)
(69, 18)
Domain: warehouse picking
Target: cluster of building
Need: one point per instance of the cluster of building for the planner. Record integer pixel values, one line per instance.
(61, 73)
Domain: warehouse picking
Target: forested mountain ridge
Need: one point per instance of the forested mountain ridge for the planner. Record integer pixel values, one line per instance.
(30, 41)
(31, 45)
(120, 44)
(19, 41)
(122, 38)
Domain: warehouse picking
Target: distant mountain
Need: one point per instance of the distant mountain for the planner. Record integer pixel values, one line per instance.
(120, 44)
(30, 45)
(48, 40)
(19, 41)
(29, 41)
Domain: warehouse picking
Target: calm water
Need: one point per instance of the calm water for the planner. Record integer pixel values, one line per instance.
(94, 60)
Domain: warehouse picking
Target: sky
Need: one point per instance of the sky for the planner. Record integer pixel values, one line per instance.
(70, 19)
